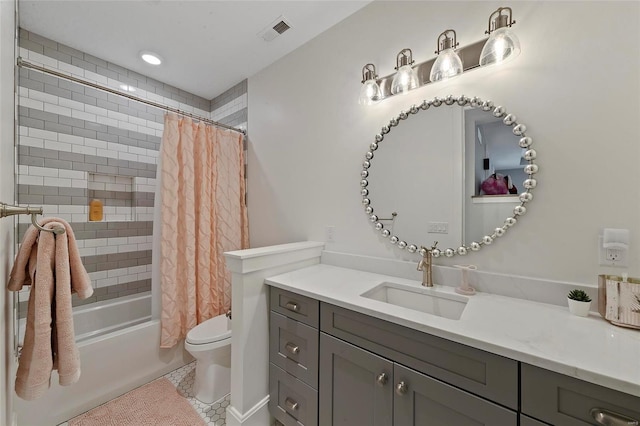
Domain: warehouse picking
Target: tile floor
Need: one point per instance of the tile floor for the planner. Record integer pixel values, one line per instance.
(183, 378)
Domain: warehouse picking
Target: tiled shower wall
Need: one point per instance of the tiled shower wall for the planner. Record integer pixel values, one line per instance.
(77, 143)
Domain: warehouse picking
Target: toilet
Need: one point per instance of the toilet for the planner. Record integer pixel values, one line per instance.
(210, 344)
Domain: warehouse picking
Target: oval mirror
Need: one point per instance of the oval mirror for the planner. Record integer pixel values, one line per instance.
(448, 175)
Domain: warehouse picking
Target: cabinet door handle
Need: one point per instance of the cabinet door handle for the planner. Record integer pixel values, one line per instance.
(292, 306)
(291, 404)
(610, 418)
(402, 388)
(292, 348)
(382, 379)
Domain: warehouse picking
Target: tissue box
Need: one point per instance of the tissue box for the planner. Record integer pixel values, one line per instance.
(619, 300)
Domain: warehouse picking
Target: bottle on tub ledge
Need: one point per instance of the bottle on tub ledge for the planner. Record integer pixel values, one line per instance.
(95, 211)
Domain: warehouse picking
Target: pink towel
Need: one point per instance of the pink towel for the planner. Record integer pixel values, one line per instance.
(52, 266)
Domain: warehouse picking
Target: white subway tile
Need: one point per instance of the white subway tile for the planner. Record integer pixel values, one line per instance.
(29, 141)
(74, 209)
(57, 146)
(106, 153)
(117, 272)
(31, 103)
(79, 183)
(79, 149)
(30, 180)
(56, 109)
(96, 242)
(84, 116)
(72, 139)
(145, 246)
(118, 116)
(71, 174)
(107, 121)
(74, 105)
(117, 241)
(106, 249)
(125, 248)
(127, 156)
(44, 171)
(44, 97)
(87, 252)
(95, 143)
(44, 134)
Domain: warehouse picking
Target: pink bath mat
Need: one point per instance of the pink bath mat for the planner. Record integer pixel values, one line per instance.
(154, 404)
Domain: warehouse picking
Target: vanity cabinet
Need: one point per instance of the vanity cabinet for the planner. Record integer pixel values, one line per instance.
(562, 400)
(293, 357)
(392, 376)
(331, 366)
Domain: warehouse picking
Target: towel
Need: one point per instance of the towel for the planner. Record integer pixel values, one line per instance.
(51, 264)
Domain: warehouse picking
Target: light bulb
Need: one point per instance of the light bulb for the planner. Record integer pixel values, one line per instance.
(405, 79)
(448, 64)
(502, 46)
(369, 93)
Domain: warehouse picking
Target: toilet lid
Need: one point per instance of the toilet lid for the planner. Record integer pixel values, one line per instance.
(212, 330)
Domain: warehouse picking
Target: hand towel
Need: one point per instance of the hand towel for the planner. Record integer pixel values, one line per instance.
(51, 265)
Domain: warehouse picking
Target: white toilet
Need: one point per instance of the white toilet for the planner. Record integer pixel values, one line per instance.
(210, 344)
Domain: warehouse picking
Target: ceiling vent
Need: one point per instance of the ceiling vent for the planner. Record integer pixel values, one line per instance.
(274, 29)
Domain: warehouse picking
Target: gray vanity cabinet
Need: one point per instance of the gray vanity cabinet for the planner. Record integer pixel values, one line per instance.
(561, 400)
(293, 357)
(356, 386)
(422, 400)
(369, 385)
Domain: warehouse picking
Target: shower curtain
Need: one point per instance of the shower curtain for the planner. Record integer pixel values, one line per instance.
(203, 214)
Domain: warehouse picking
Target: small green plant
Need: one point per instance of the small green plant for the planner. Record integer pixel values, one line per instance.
(579, 295)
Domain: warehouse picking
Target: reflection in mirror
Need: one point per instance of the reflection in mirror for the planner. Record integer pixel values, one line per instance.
(448, 175)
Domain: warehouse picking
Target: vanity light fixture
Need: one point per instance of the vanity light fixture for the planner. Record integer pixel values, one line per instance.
(370, 92)
(406, 77)
(502, 45)
(448, 64)
(150, 57)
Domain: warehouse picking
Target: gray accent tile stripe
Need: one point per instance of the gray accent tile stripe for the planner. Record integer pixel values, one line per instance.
(229, 95)
(77, 92)
(66, 54)
(235, 118)
(56, 195)
(90, 163)
(30, 117)
(104, 262)
(99, 294)
(91, 230)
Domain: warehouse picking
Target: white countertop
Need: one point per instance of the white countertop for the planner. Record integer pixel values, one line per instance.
(539, 334)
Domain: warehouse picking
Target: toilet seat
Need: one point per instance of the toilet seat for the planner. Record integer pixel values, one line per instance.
(212, 330)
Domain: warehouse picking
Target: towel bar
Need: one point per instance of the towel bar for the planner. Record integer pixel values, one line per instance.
(9, 210)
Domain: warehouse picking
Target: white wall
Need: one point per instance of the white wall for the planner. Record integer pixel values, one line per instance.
(309, 135)
(7, 162)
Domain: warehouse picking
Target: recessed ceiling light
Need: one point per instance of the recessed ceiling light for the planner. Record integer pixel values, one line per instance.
(150, 58)
(127, 88)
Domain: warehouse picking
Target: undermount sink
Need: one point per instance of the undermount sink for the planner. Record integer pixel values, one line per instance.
(423, 299)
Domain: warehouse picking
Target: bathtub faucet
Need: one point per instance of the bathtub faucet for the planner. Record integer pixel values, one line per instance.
(228, 314)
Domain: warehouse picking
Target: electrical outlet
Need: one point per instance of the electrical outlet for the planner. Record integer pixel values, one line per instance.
(329, 234)
(611, 257)
(438, 227)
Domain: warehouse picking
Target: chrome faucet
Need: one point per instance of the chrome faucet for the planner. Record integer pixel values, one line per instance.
(425, 265)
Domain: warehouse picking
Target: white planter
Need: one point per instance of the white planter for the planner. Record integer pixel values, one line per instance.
(579, 308)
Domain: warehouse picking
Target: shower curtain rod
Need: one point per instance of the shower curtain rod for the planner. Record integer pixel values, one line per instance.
(25, 64)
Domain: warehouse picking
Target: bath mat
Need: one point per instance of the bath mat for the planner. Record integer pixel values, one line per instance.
(155, 404)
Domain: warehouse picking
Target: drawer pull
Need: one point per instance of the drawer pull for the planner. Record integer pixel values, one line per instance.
(609, 418)
(292, 306)
(382, 379)
(291, 404)
(292, 348)
(401, 388)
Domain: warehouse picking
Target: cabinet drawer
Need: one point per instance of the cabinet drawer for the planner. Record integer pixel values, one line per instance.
(299, 308)
(293, 346)
(423, 400)
(562, 400)
(291, 402)
(488, 375)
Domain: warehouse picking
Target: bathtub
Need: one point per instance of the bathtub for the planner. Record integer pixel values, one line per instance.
(119, 351)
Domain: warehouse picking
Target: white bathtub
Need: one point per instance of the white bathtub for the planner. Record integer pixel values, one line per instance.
(119, 350)
(101, 318)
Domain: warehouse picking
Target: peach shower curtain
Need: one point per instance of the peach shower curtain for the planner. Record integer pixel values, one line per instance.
(203, 214)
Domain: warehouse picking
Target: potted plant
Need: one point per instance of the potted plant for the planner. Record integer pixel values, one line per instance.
(579, 302)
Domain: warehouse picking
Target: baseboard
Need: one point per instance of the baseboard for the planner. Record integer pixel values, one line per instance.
(258, 415)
